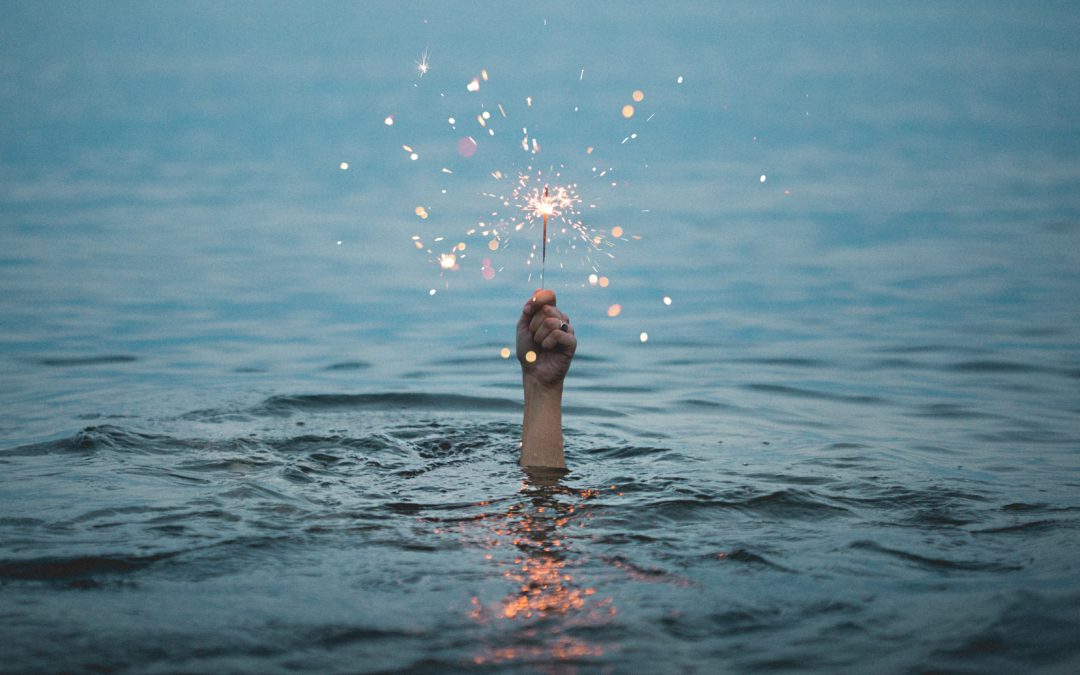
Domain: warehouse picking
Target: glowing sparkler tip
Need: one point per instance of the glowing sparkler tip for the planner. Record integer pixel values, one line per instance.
(344, 166)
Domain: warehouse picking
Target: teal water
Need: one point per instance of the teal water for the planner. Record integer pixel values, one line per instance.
(232, 443)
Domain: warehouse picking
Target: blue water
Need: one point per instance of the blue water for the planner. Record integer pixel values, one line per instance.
(239, 433)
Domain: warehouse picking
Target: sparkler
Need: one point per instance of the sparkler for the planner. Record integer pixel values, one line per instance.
(543, 255)
(537, 196)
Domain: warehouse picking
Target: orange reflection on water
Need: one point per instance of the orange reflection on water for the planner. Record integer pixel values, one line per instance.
(546, 603)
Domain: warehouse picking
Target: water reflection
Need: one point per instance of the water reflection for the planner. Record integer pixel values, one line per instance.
(539, 620)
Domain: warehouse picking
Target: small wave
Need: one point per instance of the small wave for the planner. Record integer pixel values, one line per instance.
(1011, 436)
(85, 360)
(812, 393)
(1033, 630)
(937, 564)
(793, 362)
(624, 451)
(946, 411)
(287, 405)
(778, 505)
(91, 440)
(1024, 528)
(277, 405)
(706, 403)
(348, 365)
(78, 567)
(990, 366)
(741, 555)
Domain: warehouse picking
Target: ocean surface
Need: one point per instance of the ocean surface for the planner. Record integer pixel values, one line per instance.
(249, 426)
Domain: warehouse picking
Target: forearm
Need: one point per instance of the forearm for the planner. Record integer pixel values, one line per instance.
(541, 427)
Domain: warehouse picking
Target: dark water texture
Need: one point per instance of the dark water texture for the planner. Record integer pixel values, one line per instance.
(231, 444)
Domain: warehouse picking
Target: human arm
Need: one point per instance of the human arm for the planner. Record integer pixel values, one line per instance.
(545, 348)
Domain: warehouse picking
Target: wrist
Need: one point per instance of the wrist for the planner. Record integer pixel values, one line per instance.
(538, 389)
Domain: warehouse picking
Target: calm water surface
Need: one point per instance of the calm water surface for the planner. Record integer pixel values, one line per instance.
(231, 443)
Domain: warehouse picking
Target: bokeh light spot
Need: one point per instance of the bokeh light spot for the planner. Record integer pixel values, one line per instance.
(614, 310)
(466, 147)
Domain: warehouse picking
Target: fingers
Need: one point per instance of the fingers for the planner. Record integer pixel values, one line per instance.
(543, 296)
(548, 327)
(560, 341)
(546, 312)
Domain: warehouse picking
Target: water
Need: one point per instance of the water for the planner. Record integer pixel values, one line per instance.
(230, 443)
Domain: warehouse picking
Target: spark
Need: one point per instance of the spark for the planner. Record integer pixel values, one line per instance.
(422, 65)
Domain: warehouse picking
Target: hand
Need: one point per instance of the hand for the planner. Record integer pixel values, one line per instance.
(546, 332)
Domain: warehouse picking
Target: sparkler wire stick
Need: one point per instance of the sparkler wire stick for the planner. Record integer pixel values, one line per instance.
(543, 254)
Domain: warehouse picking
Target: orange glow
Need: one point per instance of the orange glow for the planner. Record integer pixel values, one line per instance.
(639, 96)
(530, 356)
(628, 111)
(616, 231)
(542, 586)
(604, 281)
(615, 310)
(505, 352)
